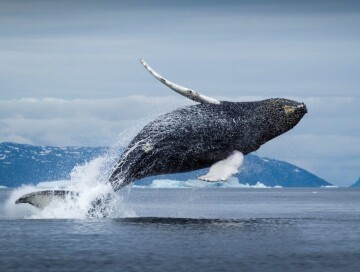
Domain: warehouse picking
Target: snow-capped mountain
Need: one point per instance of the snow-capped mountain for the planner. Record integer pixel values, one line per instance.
(24, 164)
(258, 170)
(356, 184)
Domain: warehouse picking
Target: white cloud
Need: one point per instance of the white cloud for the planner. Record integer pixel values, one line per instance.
(91, 50)
(52, 121)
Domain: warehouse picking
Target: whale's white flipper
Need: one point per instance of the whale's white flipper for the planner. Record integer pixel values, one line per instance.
(189, 93)
(222, 170)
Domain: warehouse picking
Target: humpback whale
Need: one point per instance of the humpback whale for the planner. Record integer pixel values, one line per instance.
(212, 133)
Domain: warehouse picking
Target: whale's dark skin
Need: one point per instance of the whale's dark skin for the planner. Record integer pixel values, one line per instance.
(198, 136)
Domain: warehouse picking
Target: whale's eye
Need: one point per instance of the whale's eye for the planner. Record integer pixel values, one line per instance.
(289, 109)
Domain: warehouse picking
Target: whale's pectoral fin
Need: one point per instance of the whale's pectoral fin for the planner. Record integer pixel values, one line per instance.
(222, 170)
(189, 93)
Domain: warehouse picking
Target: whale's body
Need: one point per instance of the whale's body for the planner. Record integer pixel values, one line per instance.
(198, 136)
(212, 134)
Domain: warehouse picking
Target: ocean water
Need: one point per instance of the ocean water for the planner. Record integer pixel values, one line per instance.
(189, 229)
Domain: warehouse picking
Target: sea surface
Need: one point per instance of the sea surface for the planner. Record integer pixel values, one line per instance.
(193, 229)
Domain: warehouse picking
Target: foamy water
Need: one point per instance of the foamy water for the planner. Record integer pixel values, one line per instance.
(89, 180)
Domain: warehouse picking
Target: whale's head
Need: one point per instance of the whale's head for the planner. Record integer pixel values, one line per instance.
(283, 114)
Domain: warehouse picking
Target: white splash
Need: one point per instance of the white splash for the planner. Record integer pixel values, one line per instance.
(89, 181)
(54, 184)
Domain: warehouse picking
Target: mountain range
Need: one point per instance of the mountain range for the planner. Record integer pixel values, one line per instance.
(28, 164)
(356, 184)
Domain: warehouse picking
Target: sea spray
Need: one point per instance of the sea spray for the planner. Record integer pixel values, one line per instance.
(95, 195)
(90, 182)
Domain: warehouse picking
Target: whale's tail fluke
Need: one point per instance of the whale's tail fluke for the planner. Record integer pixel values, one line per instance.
(41, 199)
(189, 93)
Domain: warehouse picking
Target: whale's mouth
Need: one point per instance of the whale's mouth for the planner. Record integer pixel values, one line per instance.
(301, 108)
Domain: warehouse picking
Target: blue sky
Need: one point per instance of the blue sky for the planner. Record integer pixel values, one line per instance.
(70, 71)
